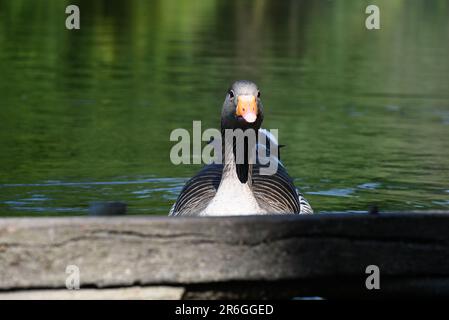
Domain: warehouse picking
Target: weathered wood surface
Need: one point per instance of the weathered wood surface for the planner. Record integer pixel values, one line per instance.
(127, 293)
(130, 251)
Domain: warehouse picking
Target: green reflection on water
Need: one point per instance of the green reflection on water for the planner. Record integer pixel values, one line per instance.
(86, 115)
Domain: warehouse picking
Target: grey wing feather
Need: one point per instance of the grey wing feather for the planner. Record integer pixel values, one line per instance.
(277, 194)
(198, 191)
(306, 208)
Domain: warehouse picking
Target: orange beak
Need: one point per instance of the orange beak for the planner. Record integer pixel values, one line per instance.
(247, 108)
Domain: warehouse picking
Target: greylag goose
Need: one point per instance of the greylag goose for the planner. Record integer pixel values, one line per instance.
(238, 187)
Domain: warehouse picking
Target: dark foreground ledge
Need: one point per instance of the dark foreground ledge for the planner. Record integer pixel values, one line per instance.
(230, 257)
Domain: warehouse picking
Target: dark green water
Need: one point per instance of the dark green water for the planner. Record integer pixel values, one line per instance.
(86, 115)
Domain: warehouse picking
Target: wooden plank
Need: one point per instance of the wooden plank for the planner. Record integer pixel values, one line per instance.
(128, 251)
(129, 293)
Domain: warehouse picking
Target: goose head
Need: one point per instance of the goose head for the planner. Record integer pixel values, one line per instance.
(242, 108)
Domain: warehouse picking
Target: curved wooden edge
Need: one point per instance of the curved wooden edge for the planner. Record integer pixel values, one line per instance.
(129, 251)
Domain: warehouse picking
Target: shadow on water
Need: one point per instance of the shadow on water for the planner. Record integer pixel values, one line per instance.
(86, 115)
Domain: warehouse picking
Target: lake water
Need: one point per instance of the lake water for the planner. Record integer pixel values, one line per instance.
(86, 115)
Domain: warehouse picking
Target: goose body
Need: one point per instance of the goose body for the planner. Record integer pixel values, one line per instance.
(232, 198)
(240, 189)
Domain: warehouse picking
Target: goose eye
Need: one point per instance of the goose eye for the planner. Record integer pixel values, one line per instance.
(258, 94)
(231, 94)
